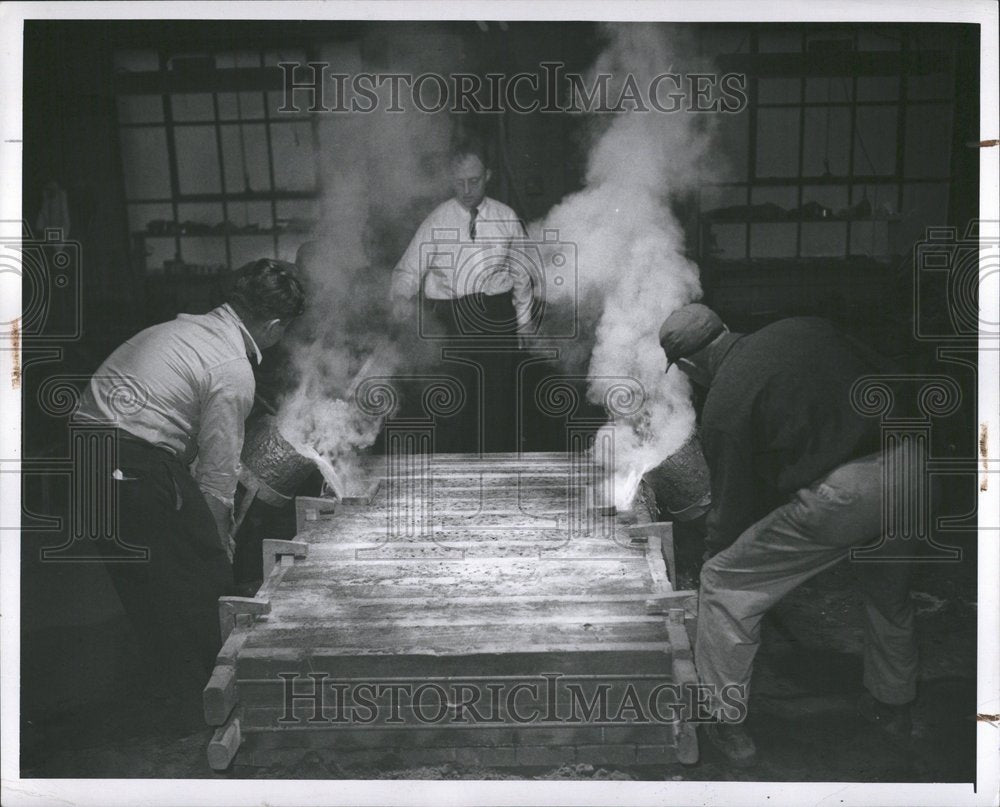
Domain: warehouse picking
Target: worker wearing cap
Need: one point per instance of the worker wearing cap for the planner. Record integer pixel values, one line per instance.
(797, 480)
(175, 396)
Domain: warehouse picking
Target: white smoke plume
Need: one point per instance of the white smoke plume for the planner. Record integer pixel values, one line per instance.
(380, 175)
(632, 270)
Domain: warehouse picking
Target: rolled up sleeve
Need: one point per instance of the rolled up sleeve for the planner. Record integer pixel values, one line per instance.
(408, 273)
(227, 401)
(521, 293)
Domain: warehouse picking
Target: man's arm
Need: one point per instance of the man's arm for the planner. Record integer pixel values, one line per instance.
(226, 404)
(730, 465)
(522, 295)
(407, 275)
(222, 513)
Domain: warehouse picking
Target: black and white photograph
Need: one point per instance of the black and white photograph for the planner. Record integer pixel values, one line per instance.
(500, 403)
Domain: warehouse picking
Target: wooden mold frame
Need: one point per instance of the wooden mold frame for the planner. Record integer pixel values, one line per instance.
(237, 615)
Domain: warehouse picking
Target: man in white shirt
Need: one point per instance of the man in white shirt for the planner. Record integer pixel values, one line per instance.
(474, 287)
(194, 380)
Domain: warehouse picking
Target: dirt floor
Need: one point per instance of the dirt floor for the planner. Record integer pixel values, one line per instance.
(802, 713)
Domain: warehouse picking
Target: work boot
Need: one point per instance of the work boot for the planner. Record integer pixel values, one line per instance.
(733, 742)
(894, 719)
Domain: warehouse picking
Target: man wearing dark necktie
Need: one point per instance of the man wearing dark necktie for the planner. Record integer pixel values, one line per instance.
(475, 298)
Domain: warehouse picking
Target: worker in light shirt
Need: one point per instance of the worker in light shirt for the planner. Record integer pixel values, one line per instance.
(474, 288)
(178, 463)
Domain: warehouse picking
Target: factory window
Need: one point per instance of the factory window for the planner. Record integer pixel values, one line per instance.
(214, 175)
(844, 149)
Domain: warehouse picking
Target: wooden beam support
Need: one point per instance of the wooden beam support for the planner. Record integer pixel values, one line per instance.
(273, 550)
(232, 607)
(224, 744)
(662, 534)
(312, 508)
(684, 675)
(219, 696)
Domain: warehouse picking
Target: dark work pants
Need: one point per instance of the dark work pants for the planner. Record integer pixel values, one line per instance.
(478, 339)
(171, 598)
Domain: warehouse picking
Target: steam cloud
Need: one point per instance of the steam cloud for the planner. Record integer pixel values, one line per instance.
(632, 271)
(379, 183)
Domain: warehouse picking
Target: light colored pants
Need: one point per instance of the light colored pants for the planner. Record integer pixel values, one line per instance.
(798, 540)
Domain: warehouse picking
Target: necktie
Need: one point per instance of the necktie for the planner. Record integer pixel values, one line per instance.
(472, 222)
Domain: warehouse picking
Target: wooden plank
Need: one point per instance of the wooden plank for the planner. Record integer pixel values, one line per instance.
(394, 639)
(224, 744)
(557, 546)
(373, 585)
(606, 659)
(452, 612)
(219, 695)
(385, 727)
(385, 569)
(231, 607)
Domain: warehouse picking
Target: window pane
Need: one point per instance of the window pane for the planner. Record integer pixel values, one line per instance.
(879, 39)
(929, 85)
(241, 106)
(779, 90)
(140, 108)
(242, 58)
(250, 215)
(824, 201)
(878, 88)
(158, 252)
(192, 106)
(144, 159)
(716, 40)
(726, 241)
(140, 217)
(825, 239)
(870, 238)
(197, 159)
(779, 41)
(272, 57)
(828, 88)
(289, 243)
(244, 156)
(732, 139)
(925, 205)
(772, 240)
(777, 142)
(199, 218)
(875, 140)
(928, 140)
(826, 141)
(778, 199)
(720, 197)
(246, 248)
(882, 200)
(297, 214)
(207, 252)
(137, 61)
(303, 99)
(294, 156)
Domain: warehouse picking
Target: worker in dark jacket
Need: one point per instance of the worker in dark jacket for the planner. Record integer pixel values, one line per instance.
(797, 480)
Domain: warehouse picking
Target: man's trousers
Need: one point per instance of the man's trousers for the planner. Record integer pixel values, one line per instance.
(814, 530)
(171, 598)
